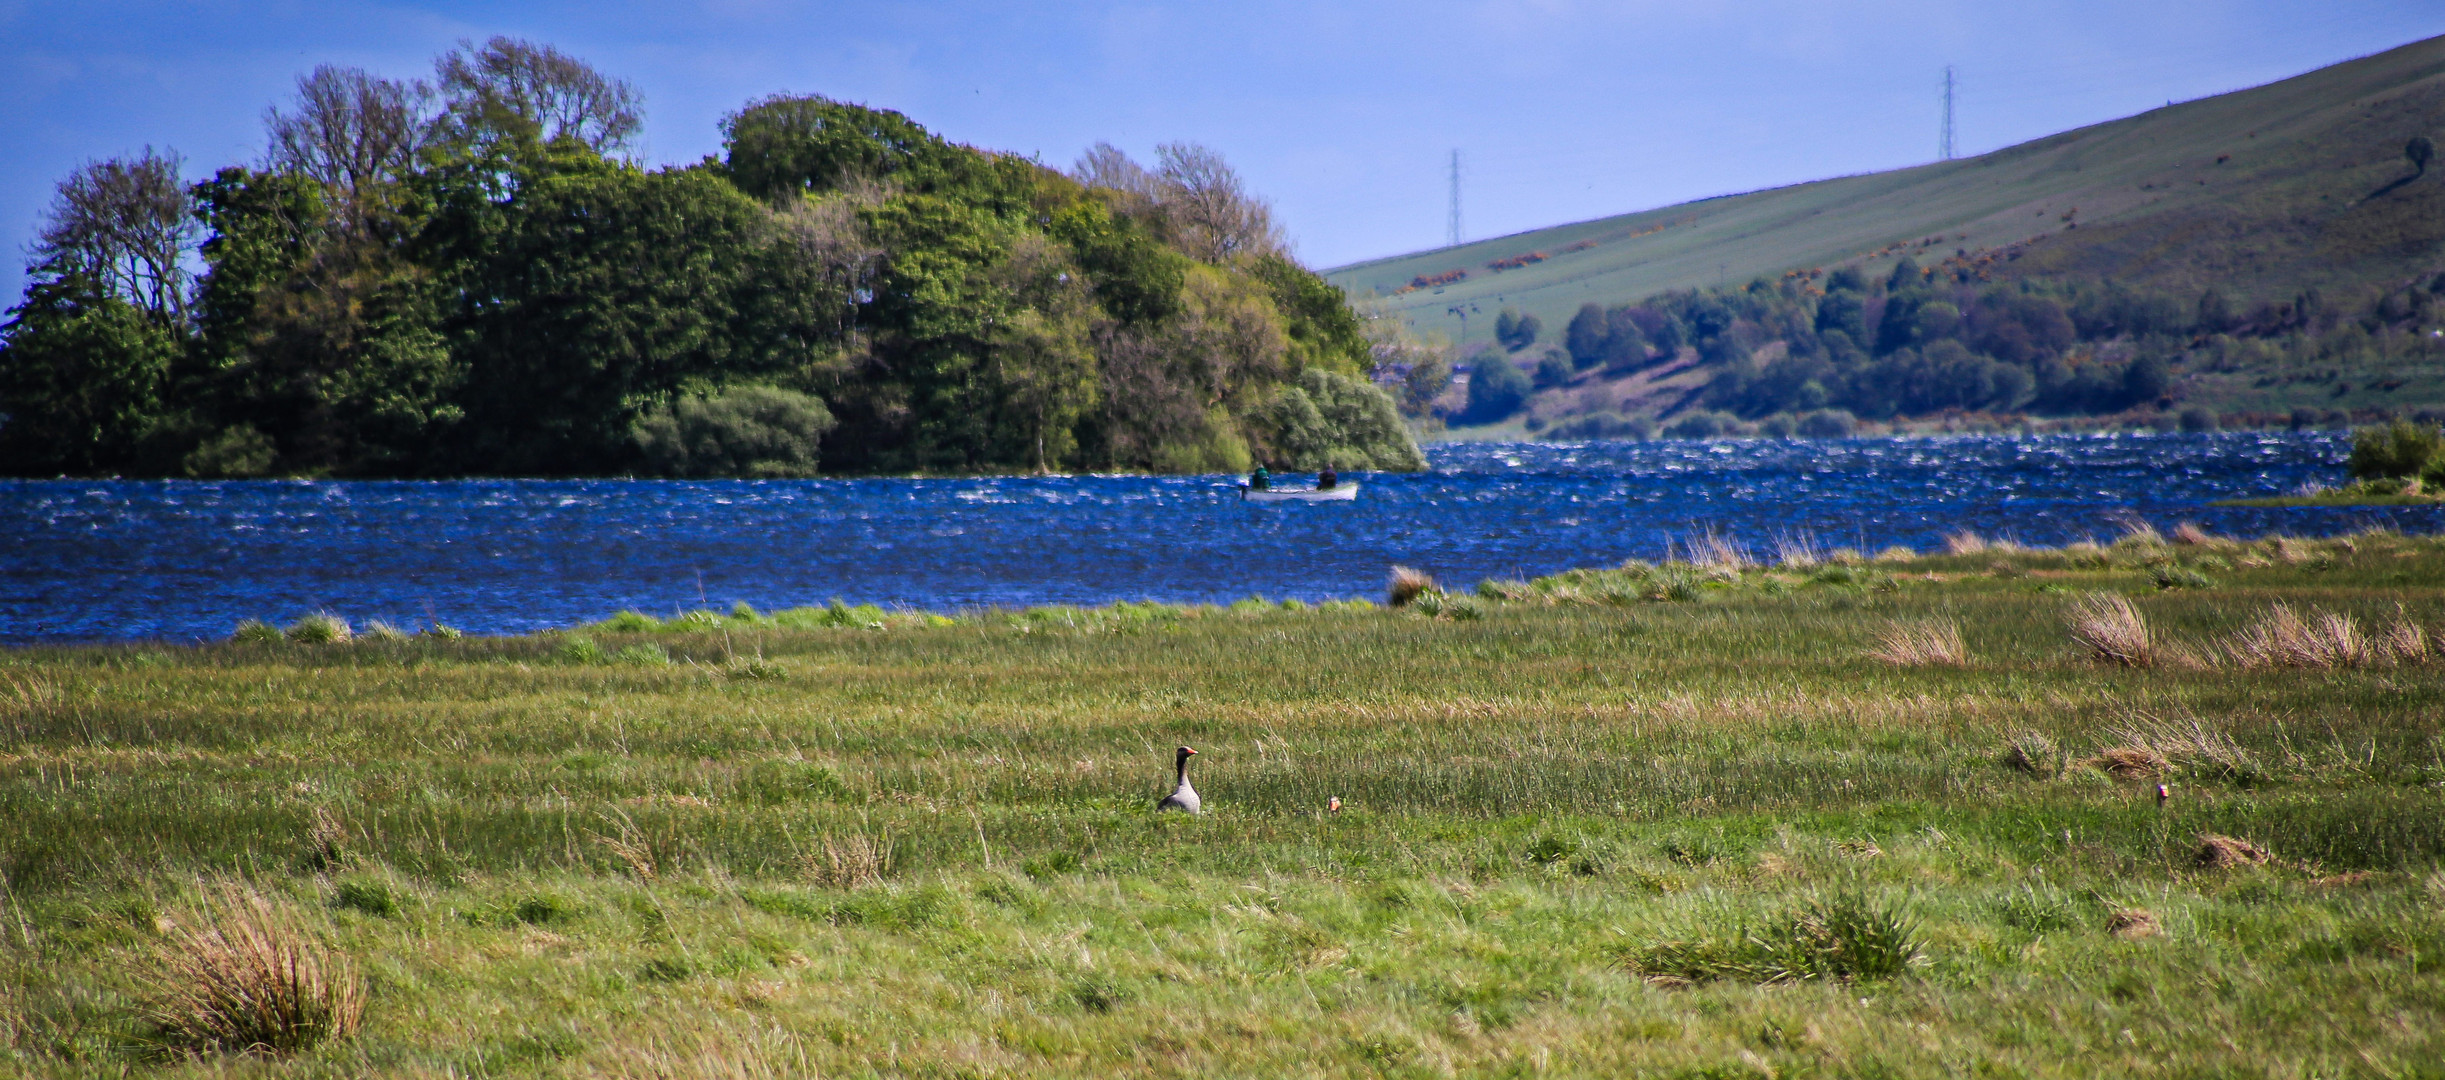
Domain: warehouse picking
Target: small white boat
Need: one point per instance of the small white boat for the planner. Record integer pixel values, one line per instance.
(1336, 493)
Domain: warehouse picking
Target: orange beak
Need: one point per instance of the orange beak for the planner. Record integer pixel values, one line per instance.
(1192, 751)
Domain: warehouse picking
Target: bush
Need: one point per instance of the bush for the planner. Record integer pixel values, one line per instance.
(1328, 419)
(1827, 424)
(2197, 418)
(1702, 425)
(1497, 389)
(742, 431)
(2402, 448)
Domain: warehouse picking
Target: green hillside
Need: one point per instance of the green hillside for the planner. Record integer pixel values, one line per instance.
(2259, 193)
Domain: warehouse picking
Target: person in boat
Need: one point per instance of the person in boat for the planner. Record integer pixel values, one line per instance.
(1260, 479)
(1326, 479)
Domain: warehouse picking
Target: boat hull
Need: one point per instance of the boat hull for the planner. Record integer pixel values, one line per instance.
(1338, 493)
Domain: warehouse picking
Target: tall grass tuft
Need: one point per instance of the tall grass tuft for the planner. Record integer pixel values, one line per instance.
(2140, 534)
(246, 976)
(1965, 542)
(320, 628)
(847, 862)
(2111, 630)
(2033, 753)
(1715, 551)
(1408, 584)
(2283, 638)
(1848, 937)
(2189, 534)
(2404, 640)
(257, 632)
(1797, 551)
(1921, 643)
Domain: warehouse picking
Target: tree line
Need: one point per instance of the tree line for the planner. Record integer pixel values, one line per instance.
(471, 275)
(1916, 341)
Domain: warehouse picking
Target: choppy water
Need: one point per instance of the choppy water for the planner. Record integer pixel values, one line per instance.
(119, 560)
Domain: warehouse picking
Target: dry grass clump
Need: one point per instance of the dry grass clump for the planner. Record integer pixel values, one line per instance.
(2285, 639)
(1921, 643)
(1798, 552)
(2033, 753)
(2140, 534)
(2111, 630)
(1714, 550)
(1896, 553)
(2132, 924)
(1408, 584)
(1965, 542)
(2227, 852)
(847, 862)
(2130, 762)
(246, 976)
(708, 1051)
(2189, 534)
(2151, 747)
(2403, 639)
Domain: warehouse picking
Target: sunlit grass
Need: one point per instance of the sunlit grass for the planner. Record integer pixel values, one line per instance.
(1655, 818)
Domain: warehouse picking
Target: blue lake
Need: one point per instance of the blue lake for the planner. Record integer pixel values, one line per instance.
(185, 560)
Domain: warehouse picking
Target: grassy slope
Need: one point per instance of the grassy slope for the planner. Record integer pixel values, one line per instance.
(2289, 210)
(1533, 797)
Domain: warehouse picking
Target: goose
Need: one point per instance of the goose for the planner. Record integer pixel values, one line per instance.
(1183, 798)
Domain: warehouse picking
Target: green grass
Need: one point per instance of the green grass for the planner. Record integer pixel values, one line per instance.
(1653, 820)
(2261, 193)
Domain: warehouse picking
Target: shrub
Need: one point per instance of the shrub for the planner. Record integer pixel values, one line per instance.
(741, 431)
(244, 975)
(2197, 418)
(2402, 448)
(1701, 424)
(1325, 418)
(2112, 630)
(1408, 584)
(1827, 424)
(320, 628)
(1497, 389)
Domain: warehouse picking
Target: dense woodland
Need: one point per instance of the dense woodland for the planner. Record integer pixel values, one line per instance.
(469, 276)
(1834, 347)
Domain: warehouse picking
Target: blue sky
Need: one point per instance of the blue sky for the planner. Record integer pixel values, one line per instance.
(1343, 114)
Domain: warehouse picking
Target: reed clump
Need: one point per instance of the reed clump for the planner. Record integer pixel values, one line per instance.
(243, 974)
(1408, 584)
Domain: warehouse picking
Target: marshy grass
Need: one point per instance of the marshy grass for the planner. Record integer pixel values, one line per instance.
(1648, 819)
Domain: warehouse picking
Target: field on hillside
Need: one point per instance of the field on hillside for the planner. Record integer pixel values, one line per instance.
(2260, 193)
(1676, 820)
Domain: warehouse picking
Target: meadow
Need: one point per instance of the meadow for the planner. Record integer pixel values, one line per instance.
(1742, 814)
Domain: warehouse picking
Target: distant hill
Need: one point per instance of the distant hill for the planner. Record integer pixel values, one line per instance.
(2259, 193)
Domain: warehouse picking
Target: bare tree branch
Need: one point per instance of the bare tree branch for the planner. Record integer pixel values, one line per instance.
(126, 224)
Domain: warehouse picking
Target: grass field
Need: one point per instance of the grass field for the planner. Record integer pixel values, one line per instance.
(2260, 193)
(1681, 820)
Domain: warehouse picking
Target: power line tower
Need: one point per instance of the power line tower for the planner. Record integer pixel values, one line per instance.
(1944, 146)
(1451, 226)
